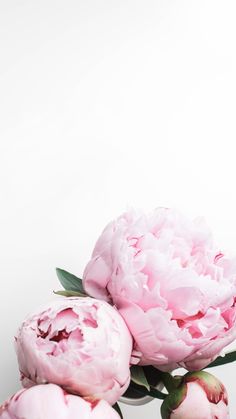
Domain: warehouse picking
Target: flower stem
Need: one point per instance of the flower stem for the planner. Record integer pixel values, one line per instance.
(169, 381)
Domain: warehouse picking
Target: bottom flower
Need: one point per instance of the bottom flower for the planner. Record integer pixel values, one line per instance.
(199, 395)
(49, 401)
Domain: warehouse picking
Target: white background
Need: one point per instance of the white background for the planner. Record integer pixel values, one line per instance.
(107, 104)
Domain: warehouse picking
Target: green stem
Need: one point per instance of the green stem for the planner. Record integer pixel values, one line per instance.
(221, 360)
(169, 381)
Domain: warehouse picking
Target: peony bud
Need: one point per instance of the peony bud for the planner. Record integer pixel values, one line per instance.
(81, 344)
(50, 401)
(200, 395)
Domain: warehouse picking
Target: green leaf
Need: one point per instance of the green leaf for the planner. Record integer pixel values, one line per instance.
(117, 408)
(152, 374)
(70, 282)
(138, 376)
(156, 394)
(221, 360)
(69, 293)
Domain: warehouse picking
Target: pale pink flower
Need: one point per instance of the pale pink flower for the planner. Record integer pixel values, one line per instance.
(174, 288)
(81, 344)
(50, 401)
(200, 396)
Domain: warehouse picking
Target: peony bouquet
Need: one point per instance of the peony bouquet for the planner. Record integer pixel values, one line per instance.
(156, 296)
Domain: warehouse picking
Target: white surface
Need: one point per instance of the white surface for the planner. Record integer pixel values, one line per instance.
(106, 104)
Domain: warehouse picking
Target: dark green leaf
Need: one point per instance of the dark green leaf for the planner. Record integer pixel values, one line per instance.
(153, 375)
(117, 408)
(70, 282)
(138, 376)
(221, 360)
(69, 293)
(156, 394)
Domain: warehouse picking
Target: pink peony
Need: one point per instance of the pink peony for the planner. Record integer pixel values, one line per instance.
(50, 401)
(172, 286)
(81, 344)
(200, 396)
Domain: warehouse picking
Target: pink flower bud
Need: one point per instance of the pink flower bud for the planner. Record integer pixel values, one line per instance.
(81, 344)
(50, 401)
(200, 395)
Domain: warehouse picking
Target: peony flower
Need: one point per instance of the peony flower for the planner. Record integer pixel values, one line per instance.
(174, 288)
(199, 396)
(81, 344)
(50, 401)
